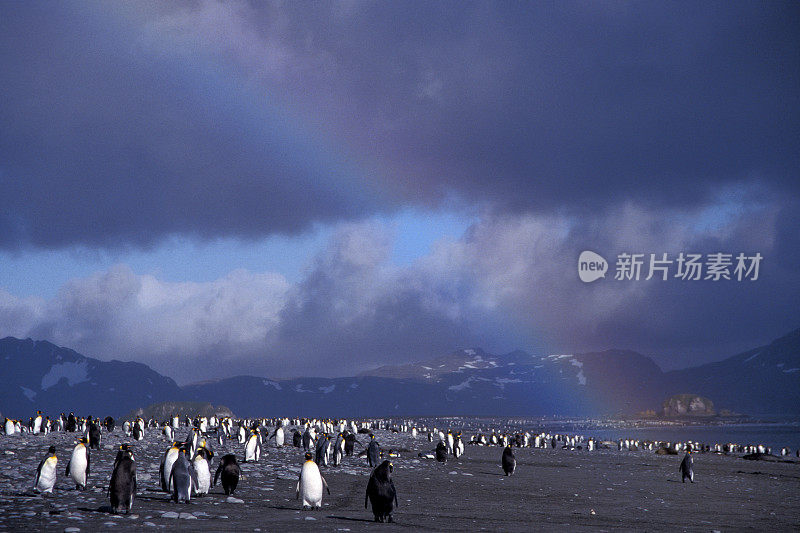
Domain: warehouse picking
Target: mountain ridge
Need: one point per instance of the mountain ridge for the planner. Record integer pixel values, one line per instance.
(764, 380)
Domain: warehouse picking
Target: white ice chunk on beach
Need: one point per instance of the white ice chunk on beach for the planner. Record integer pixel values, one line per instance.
(74, 372)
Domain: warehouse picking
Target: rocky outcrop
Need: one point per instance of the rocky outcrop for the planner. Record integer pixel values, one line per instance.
(165, 410)
(682, 405)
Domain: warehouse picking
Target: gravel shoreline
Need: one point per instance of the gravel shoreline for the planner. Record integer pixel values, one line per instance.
(552, 489)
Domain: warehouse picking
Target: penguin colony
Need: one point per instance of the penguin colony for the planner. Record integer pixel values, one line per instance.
(186, 465)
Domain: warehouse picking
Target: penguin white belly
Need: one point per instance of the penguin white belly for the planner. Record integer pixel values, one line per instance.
(10, 429)
(37, 424)
(251, 450)
(279, 437)
(311, 485)
(169, 462)
(77, 466)
(47, 475)
(203, 476)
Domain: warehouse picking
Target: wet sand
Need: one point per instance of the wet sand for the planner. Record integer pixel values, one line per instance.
(552, 489)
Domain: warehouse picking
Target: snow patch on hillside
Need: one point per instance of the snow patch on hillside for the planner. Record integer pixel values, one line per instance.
(74, 372)
(273, 383)
(463, 385)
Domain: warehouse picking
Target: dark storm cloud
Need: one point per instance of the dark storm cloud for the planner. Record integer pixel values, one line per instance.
(123, 132)
(537, 106)
(104, 141)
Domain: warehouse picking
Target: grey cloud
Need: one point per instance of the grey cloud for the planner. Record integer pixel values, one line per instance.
(510, 282)
(212, 119)
(107, 142)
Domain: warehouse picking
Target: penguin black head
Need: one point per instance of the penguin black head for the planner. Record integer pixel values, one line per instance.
(308, 456)
(51, 449)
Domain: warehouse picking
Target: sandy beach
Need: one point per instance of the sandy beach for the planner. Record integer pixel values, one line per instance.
(552, 489)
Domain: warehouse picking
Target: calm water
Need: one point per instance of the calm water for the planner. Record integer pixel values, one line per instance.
(775, 435)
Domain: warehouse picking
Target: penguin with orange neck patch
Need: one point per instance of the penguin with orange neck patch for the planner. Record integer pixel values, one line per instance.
(311, 483)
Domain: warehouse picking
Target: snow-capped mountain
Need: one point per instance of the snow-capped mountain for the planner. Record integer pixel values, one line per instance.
(763, 381)
(38, 375)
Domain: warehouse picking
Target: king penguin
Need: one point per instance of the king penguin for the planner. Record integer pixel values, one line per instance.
(122, 488)
(686, 467)
(441, 452)
(279, 435)
(373, 451)
(323, 450)
(350, 443)
(201, 459)
(36, 427)
(78, 464)
(95, 436)
(338, 450)
(229, 470)
(46, 472)
(458, 446)
(381, 492)
(509, 461)
(310, 484)
(165, 468)
(252, 450)
(137, 432)
(308, 440)
(183, 478)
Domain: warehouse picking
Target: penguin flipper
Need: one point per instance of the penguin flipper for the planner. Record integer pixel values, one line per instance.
(394, 491)
(325, 484)
(216, 476)
(297, 490)
(88, 462)
(193, 475)
(161, 473)
(38, 473)
(66, 472)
